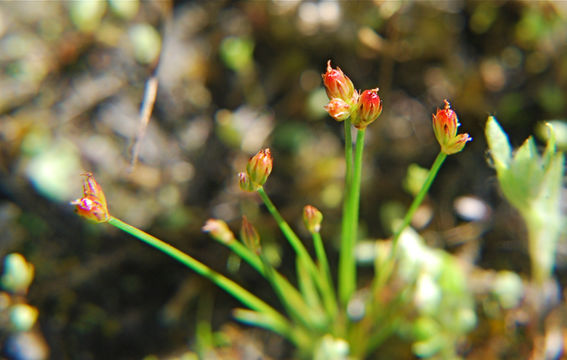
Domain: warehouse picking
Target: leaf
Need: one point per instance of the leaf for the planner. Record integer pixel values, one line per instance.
(500, 149)
(551, 185)
(550, 147)
(526, 170)
(258, 319)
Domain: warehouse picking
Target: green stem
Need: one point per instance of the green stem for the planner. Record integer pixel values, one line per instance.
(542, 238)
(270, 275)
(418, 199)
(299, 249)
(294, 302)
(384, 270)
(323, 262)
(323, 265)
(344, 277)
(277, 322)
(347, 247)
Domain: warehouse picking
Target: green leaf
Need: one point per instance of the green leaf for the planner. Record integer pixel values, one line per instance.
(500, 149)
(258, 319)
(551, 185)
(527, 151)
(550, 147)
(526, 171)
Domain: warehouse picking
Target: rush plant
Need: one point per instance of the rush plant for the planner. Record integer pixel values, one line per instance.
(417, 293)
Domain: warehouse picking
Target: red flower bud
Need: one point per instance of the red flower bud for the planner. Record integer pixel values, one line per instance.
(338, 85)
(312, 218)
(445, 125)
(249, 236)
(218, 230)
(338, 109)
(93, 203)
(259, 167)
(369, 108)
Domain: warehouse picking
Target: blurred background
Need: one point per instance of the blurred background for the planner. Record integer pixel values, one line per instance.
(233, 77)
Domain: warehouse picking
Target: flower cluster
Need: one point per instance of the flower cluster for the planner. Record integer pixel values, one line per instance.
(344, 101)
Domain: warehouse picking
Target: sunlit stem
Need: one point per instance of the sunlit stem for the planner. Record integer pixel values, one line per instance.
(276, 321)
(418, 200)
(385, 269)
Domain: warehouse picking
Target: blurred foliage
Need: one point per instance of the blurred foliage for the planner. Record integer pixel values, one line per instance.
(19, 335)
(233, 77)
(533, 184)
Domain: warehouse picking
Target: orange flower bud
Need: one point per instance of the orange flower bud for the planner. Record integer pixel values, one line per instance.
(259, 167)
(338, 85)
(445, 125)
(250, 236)
(338, 109)
(93, 203)
(218, 230)
(312, 218)
(370, 107)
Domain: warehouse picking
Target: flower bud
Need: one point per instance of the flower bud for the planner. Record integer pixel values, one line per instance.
(259, 167)
(93, 203)
(245, 183)
(338, 109)
(218, 230)
(312, 218)
(445, 125)
(249, 236)
(338, 85)
(369, 108)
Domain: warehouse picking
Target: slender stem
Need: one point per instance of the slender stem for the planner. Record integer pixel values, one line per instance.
(294, 302)
(299, 249)
(344, 255)
(245, 254)
(385, 269)
(418, 199)
(287, 231)
(295, 312)
(323, 264)
(277, 322)
(349, 271)
(303, 339)
(307, 286)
